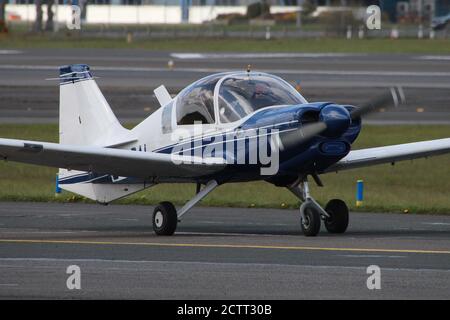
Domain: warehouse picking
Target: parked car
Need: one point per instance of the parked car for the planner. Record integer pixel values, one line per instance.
(439, 23)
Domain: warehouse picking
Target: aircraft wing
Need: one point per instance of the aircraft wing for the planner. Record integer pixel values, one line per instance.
(101, 160)
(394, 153)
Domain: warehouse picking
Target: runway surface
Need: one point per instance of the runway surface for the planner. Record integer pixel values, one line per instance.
(128, 77)
(217, 253)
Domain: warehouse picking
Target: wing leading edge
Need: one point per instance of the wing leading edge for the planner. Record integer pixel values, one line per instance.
(118, 162)
(394, 153)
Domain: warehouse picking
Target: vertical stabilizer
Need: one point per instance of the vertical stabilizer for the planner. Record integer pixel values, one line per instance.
(85, 117)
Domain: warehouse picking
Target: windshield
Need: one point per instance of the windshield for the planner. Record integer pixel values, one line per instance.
(241, 95)
(196, 103)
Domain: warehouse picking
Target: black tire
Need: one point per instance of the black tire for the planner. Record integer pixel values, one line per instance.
(165, 219)
(338, 221)
(311, 225)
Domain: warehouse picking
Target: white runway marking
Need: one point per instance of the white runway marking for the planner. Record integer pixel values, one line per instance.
(125, 219)
(275, 55)
(370, 256)
(214, 70)
(434, 58)
(437, 223)
(10, 52)
(37, 231)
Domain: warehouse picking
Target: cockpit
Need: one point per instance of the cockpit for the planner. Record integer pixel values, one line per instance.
(196, 102)
(240, 95)
(230, 97)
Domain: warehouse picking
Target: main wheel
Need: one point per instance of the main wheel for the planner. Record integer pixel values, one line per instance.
(165, 219)
(311, 222)
(338, 220)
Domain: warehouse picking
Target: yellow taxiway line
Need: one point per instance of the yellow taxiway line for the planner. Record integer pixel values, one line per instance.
(232, 246)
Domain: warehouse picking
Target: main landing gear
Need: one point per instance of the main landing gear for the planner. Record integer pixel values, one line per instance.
(165, 219)
(165, 216)
(335, 214)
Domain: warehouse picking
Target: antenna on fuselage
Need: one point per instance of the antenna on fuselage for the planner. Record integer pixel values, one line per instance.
(249, 69)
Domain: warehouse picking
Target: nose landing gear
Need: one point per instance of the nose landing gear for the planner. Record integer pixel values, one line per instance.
(335, 214)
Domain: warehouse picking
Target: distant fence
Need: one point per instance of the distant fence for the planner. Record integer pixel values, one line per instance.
(253, 32)
(141, 21)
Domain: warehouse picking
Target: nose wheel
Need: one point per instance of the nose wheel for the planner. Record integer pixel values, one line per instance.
(310, 220)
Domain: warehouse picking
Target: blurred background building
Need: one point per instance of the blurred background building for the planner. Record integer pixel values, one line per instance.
(327, 15)
(396, 9)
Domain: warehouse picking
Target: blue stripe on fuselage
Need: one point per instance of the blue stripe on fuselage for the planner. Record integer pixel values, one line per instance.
(96, 178)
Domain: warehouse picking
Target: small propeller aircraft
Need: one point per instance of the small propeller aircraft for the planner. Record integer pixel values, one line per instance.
(103, 161)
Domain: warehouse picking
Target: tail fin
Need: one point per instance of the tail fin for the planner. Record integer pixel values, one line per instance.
(85, 117)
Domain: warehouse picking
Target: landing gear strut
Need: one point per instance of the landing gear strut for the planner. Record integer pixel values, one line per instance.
(335, 214)
(165, 216)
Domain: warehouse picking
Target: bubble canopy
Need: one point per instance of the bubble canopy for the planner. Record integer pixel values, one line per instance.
(229, 97)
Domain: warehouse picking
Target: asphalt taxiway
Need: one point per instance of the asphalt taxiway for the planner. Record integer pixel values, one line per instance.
(127, 79)
(221, 253)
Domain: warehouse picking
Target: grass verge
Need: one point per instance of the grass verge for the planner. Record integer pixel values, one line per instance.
(424, 46)
(420, 186)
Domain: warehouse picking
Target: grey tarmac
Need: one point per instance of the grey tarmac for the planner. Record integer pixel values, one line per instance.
(217, 253)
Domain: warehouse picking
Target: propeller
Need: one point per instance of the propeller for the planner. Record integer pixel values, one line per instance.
(334, 120)
(394, 97)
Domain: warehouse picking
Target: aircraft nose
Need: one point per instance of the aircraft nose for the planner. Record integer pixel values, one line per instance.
(337, 119)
